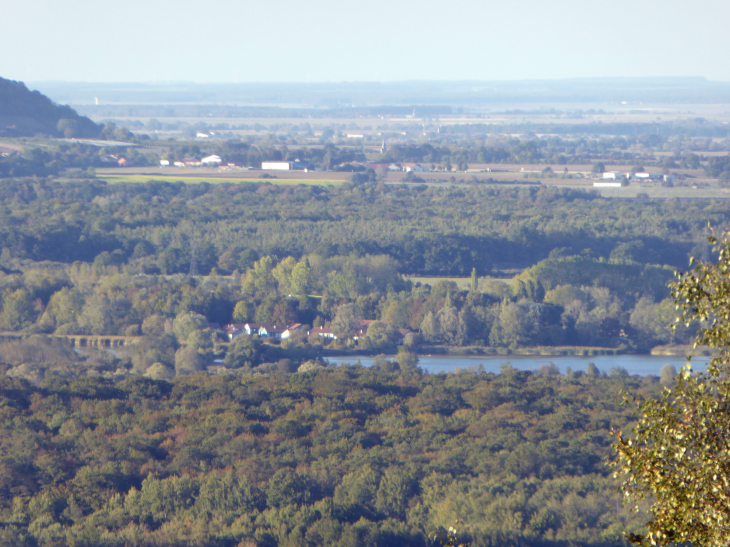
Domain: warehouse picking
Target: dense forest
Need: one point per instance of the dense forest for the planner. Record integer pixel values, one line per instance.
(429, 230)
(90, 258)
(347, 456)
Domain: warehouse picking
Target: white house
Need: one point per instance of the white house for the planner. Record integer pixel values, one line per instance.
(291, 330)
(211, 160)
(252, 328)
(321, 331)
(164, 163)
(416, 168)
(609, 176)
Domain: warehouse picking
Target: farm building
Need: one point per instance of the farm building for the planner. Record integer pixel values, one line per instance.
(211, 160)
(295, 165)
(276, 166)
(188, 162)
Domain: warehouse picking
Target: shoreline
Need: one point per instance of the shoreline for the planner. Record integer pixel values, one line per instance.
(480, 352)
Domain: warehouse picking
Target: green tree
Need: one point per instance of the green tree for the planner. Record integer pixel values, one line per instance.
(346, 321)
(301, 277)
(186, 323)
(18, 311)
(430, 328)
(260, 280)
(243, 311)
(283, 274)
(65, 306)
(244, 351)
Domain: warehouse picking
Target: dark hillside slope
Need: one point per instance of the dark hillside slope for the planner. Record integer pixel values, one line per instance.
(25, 113)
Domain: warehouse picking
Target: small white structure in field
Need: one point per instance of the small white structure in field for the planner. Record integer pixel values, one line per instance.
(599, 184)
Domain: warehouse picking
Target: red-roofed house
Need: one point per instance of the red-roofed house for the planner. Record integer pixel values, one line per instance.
(321, 331)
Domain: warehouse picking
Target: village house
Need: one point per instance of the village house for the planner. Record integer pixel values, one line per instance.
(323, 332)
(231, 331)
(296, 327)
(188, 162)
(114, 159)
(271, 331)
(416, 168)
(211, 161)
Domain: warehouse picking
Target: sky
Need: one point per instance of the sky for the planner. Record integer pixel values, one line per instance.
(374, 40)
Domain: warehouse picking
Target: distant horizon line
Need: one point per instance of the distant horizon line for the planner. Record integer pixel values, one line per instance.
(165, 82)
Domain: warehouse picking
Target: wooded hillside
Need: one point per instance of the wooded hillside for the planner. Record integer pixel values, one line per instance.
(25, 113)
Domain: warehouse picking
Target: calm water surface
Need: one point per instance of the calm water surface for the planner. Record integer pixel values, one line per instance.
(634, 364)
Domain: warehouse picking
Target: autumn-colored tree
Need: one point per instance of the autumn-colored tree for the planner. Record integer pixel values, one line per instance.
(677, 458)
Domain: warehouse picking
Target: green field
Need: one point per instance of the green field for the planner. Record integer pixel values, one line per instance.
(215, 180)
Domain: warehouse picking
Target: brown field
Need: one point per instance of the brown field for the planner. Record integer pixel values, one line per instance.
(221, 173)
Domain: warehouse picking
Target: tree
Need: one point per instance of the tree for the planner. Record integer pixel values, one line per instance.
(186, 323)
(244, 351)
(406, 360)
(448, 319)
(301, 277)
(283, 274)
(188, 361)
(18, 310)
(346, 321)
(260, 279)
(154, 325)
(678, 455)
(430, 327)
(65, 306)
(667, 375)
(598, 168)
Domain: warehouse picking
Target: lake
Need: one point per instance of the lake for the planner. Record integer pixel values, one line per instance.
(634, 364)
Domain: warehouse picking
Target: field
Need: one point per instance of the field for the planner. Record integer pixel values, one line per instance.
(213, 180)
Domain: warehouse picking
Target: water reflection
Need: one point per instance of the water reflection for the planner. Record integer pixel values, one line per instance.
(634, 364)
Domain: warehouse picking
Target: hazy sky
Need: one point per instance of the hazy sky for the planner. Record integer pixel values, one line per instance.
(374, 40)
